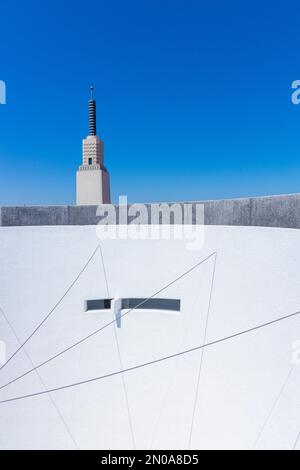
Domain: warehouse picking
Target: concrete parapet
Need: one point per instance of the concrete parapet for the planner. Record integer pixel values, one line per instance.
(269, 211)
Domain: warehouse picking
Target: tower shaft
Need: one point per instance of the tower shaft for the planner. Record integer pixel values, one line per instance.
(92, 181)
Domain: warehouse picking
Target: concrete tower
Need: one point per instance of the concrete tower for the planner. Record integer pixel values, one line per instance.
(92, 179)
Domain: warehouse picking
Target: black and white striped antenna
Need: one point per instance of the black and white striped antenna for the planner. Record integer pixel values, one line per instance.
(92, 112)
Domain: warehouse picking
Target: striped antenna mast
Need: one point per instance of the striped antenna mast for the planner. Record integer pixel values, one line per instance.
(92, 112)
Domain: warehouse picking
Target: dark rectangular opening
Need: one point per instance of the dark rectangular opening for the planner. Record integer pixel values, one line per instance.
(152, 304)
(98, 304)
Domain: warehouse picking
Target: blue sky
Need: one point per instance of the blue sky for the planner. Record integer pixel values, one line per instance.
(193, 97)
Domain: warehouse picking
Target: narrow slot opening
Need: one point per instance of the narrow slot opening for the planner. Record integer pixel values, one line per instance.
(97, 304)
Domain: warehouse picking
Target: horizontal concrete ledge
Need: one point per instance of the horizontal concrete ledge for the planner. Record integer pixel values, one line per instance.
(267, 211)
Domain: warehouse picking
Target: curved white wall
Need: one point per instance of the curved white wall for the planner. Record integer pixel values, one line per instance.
(257, 279)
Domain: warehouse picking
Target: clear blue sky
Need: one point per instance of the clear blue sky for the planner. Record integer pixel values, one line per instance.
(193, 97)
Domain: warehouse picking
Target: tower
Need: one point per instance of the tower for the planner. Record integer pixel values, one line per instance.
(92, 178)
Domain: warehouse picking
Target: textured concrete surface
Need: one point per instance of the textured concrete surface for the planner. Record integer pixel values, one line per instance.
(269, 211)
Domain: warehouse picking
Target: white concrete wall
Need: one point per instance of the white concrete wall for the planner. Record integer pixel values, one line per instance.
(257, 279)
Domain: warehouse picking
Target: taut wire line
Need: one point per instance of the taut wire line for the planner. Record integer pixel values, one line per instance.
(42, 382)
(107, 324)
(156, 361)
(202, 353)
(120, 360)
(51, 311)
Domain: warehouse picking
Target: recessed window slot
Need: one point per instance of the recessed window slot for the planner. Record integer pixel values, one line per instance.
(97, 304)
(152, 304)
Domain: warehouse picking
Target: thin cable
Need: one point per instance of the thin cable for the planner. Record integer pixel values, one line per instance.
(201, 354)
(51, 311)
(107, 324)
(120, 360)
(125, 389)
(162, 405)
(296, 441)
(273, 406)
(156, 361)
(104, 270)
(164, 401)
(42, 382)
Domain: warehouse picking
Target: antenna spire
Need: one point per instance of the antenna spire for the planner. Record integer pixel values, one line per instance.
(92, 112)
(92, 92)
